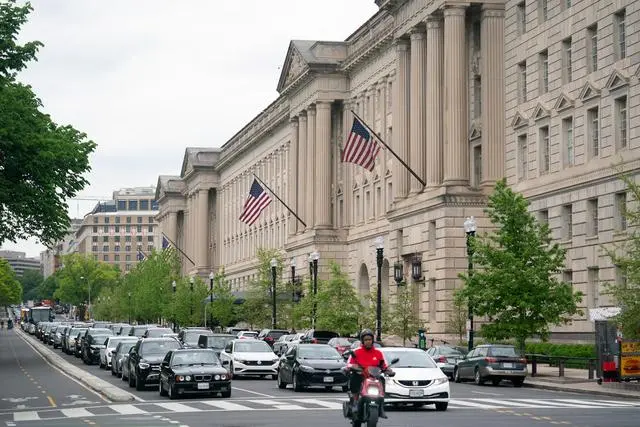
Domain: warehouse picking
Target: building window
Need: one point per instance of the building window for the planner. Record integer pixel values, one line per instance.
(566, 4)
(106, 220)
(149, 238)
(567, 132)
(593, 131)
(116, 248)
(95, 219)
(94, 248)
(127, 238)
(592, 217)
(127, 267)
(367, 207)
(621, 122)
(94, 238)
(116, 229)
(105, 228)
(620, 35)
(543, 78)
(150, 248)
(105, 248)
(95, 229)
(144, 205)
(151, 220)
(567, 277)
(116, 238)
(122, 205)
(521, 16)
(105, 258)
(138, 238)
(545, 149)
(522, 157)
(592, 48)
(567, 217)
(477, 97)
(139, 228)
(117, 220)
(139, 220)
(128, 220)
(522, 82)
(543, 217)
(105, 238)
(621, 276)
(133, 205)
(620, 211)
(477, 165)
(127, 257)
(593, 287)
(543, 10)
(116, 257)
(150, 229)
(127, 248)
(567, 62)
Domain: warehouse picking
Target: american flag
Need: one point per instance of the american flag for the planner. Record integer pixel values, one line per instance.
(257, 202)
(361, 148)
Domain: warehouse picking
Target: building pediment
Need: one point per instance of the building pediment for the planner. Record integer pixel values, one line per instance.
(198, 157)
(616, 80)
(310, 55)
(563, 102)
(540, 112)
(519, 120)
(588, 91)
(169, 184)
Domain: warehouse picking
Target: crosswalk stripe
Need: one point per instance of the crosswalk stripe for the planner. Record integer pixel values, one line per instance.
(323, 403)
(226, 405)
(177, 407)
(127, 409)
(76, 412)
(278, 405)
(508, 403)
(558, 404)
(618, 402)
(594, 403)
(26, 416)
(467, 403)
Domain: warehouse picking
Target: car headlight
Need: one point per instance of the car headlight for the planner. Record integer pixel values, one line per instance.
(276, 360)
(305, 368)
(187, 378)
(373, 391)
(179, 378)
(217, 377)
(223, 377)
(109, 354)
(142, 365)
(441, 380)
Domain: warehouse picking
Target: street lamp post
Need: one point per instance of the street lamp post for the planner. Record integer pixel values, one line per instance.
(470, 230)
(293, 280)
(174, 286)
(129, 295)
(379, 241)
(211, 298)
(191, 281)
(274, 265)
(314, 257)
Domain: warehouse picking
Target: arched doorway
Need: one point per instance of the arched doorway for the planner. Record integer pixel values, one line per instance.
(385, 281)
(363, 284)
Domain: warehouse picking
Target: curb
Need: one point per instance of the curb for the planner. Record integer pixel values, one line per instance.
(548, 386)
(96, 384)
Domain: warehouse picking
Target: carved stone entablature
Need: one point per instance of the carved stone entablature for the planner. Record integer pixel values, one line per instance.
(588, 91)
(563, 102)
(198, 158)
(540, 112)
(519, 120)
(464, 200)
(616, 80)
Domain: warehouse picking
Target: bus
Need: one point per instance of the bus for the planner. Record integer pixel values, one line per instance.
(40, 314)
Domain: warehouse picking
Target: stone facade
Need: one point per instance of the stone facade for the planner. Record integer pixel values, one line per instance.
(438, 81)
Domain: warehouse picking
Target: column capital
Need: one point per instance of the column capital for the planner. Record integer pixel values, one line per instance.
(492, 10)
(294, 121)
(320, 104)
(417, 33)
(311, 110)
(434, 21)
(302, 117)
(455, 9)
(401, 44)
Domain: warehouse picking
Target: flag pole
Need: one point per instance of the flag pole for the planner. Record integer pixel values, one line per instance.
(280, 200)
(179, 250)
(375, 135)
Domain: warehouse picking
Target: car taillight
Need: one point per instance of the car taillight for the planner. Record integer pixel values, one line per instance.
(442, 359)
(267, 338)
(314, 341)
(523, 360)
(491, 359)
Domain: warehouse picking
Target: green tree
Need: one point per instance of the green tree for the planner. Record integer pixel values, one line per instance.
(404, 320)
(81, 276)
(626, 256)
(515, 280)
(223, 309)
(10, 287)
(256, 310)
(338, 304)
(48, 287)
(457, 322)
(368, 315)
(187, 307)
(43, 163)
(30, 281)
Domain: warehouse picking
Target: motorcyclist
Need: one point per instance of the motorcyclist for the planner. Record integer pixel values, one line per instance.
(364, 356)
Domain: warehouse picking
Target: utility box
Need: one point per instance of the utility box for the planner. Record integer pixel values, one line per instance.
(422, 339)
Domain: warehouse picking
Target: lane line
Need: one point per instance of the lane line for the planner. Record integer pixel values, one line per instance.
(507, 403)
(487, 393)
(254, 392)
(51, 401)
(279, 405)
(177, 407)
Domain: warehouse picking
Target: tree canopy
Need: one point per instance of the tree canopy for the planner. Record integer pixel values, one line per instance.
(42, 163)
(515, 278)
(10, 287)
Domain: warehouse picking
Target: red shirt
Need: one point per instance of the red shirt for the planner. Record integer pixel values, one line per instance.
(367, 357)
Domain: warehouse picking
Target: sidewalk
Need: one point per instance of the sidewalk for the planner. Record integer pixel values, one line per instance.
(576, 381)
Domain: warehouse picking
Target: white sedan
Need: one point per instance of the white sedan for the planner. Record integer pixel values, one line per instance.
(249, 357)
(418, 380)
(110, 346)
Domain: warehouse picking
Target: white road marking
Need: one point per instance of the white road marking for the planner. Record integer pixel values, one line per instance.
(226, 405)
(177, 407)
(127, 409)
(508, 403)
(558, 404)
(26, 416)
(252, 392)
(76, 412)
(458, 402)
(487, 393)
(279, 405)
(323, 403)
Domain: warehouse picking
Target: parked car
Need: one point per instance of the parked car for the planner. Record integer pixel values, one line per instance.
(271, 335)
(216, 342)
(418, 380)
(69, 344)
(445, 357)
(190, 371)
(107, 352)
(139, 330)
(156, 332)
(313, 336)
(341, 344)
(189, 336)
(492, 362)
(119, 357)
(249, 357)
(91, 346)
(247, 335)
(144, 360)
(312, 365)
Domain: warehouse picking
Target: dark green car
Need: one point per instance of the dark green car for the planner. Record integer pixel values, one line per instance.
(492, 362)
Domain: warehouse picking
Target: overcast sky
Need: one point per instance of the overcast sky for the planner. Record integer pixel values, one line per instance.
(147, 78)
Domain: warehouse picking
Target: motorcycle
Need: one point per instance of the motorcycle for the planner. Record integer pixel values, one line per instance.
(371, 398)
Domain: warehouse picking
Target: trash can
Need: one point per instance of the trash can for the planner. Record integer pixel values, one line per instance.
(9, 324)
(422, 339)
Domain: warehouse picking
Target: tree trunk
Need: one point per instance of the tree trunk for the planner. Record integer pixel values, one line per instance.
(520, 345)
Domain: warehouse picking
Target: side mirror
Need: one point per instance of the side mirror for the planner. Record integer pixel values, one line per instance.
(395, 360)
(290, 357)
(201, 345)
(225, 362)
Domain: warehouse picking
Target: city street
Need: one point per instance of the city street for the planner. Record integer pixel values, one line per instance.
(37, 394)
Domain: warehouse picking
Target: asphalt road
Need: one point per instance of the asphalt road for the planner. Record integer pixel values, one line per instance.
(258, 402)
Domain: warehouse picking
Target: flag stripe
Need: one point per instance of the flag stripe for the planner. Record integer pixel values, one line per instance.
(257, 201)
(361, 147)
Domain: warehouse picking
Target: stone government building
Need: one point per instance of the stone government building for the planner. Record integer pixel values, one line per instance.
(544, 92)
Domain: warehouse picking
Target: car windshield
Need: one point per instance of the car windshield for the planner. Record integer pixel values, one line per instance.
(318, 352)
(195, 358)
(139, 331)
(249, 334)
(219, 342)
(252, 347)
(192, 337)
(100, 339)
(159, 347)
(503, 352)
(409, 359)
(449, 350)
(126, 346)
(158, 332)
(113, 342)
(342, 341)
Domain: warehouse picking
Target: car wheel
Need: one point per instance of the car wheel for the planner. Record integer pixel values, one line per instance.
(171, 392)
(442, 406)
(495, 381)
(296, 383)
(478, 378)
(517, 382)
(226, 394)
(161, 389)
(281, 384)
(131, 380)
(139, 384)
(456, 376)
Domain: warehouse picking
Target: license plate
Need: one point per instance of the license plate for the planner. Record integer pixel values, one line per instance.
(203, 386)
(452, 361)
(328, 379)
(416, 393)
(507, 365)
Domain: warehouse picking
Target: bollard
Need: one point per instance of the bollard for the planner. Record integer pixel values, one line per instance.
(561, 368)
(534, 366)
(591, 368)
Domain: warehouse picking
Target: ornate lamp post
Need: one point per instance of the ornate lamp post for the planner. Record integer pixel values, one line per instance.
(175, 323)
(293, 280)
(398, 274)
(379, 241)
(470, 230)
(274, 265)
(191, 281)
(129, 295)
(211, 298)
(313, 258)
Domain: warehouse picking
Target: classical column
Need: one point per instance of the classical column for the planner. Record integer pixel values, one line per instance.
(492, 72)
(172, 226)
(202, 237)
(418, 136)
(347, 169)
(435, 71)
(292, 176)
(312, 160)
(302, 167)
(401, 119)
(323, 179)
(456, 171)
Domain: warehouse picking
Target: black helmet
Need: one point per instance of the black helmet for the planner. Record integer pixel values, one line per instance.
(366, 332)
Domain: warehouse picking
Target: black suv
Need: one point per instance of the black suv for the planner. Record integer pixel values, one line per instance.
(144, 360)
(91, 345)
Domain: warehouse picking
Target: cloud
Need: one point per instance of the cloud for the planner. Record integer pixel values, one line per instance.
(147, 78)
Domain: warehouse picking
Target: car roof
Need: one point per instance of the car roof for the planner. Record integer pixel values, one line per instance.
(189, 350)
(404, 349)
